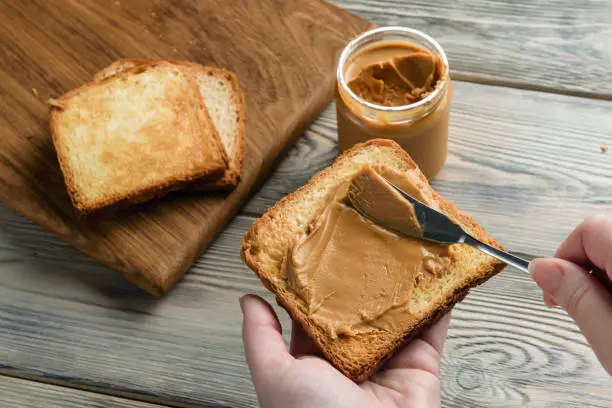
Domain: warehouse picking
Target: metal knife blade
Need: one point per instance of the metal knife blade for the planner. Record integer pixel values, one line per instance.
(438, 227)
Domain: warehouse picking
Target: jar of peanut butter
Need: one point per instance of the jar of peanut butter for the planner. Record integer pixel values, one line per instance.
(394, 83)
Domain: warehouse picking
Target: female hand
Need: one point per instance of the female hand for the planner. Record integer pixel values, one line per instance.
(298, 378)
(566, 282)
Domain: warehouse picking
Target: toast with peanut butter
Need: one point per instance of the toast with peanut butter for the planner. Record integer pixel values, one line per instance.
(224, 102)
(134, 136)
(357, 287)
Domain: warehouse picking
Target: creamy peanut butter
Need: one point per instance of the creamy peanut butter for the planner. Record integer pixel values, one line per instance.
(354, 275)
(403, 76)
(366, 192)
(397, 81)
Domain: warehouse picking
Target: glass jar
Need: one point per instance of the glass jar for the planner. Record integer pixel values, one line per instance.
(421, 128)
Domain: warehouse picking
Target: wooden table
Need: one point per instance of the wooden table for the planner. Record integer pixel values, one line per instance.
(531, 107)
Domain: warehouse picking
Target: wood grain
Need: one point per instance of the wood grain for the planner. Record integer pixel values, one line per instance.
(283, 52)
(526, 165)
(16, 392)
(65, 318)
(94, 330)
(506, 350)
(97, 331)
(556, 45)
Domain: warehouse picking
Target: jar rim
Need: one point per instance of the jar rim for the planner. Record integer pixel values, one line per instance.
(350, 47)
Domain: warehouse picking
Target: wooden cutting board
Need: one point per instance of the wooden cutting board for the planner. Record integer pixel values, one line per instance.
(283, 51)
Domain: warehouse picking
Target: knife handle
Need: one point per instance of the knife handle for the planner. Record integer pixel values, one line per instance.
(503, 256)
(523, 265)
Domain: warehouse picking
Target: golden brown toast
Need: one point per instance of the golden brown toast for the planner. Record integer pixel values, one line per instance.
(359, 356)
(224, 101)
(134, 136)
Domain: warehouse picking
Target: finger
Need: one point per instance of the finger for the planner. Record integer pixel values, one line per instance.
(301, 343)
(436, 334)
(424, 352)
(548, 300)
(584, 299)
(264, 346)
(588, 245)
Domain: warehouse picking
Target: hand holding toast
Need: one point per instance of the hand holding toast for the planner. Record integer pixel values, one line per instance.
(299, 378)
(566, 282)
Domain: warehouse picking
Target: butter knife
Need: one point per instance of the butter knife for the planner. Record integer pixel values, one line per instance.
(438, 227)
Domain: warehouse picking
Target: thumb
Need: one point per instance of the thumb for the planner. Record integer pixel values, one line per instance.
(582, 297)
(264, 346)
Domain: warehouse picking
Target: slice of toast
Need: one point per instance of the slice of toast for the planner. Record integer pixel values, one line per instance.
(359, 356)
(225, 104)
(134, 136)
(120, 66)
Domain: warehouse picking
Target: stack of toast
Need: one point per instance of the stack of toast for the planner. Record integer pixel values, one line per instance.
(142, 128)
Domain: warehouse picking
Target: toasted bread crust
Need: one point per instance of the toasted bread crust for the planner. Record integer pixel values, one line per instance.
(119, 66)
(232, 175)
(139, 194)
(361, 367)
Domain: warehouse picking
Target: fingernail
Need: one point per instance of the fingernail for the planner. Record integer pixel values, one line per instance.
(548, 300)
(547, 274)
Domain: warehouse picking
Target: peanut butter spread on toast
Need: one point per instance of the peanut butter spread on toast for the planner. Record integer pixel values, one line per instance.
(353, 269)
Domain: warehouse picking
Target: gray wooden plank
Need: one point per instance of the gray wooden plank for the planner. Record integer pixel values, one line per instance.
(17, 392)
(560, 45)
(526, 165)
(65, 318)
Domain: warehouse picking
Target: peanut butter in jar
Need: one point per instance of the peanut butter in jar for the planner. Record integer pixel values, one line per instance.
(394, 83)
